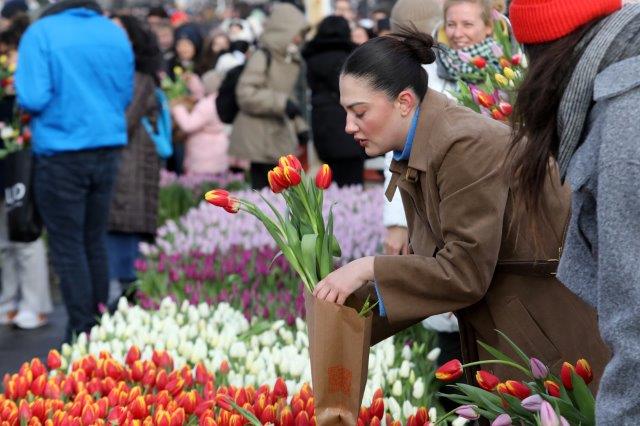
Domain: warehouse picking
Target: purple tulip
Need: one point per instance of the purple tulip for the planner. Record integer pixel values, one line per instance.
(502, 420)
(496, 50)
(532, 403)
(548, 416)
(468, 412)
(464, 56)
(564, 422)
(539, 370)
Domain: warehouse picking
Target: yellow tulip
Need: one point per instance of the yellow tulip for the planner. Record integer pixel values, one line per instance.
(502, 80)
(3, 59)
(177, 71)
(508, 72)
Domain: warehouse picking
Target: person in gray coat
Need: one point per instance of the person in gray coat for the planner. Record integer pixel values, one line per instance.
(579, 105)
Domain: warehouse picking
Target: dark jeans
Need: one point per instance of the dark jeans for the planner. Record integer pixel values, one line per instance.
(73, 193)
(259, 173)
(123, 252)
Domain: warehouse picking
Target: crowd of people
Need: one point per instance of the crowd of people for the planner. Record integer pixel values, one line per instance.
(477, 211)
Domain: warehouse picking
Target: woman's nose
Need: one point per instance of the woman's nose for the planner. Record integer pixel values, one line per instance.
(350, 127)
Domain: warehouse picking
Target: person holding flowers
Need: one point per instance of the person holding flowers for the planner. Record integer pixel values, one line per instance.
(470, 252)
(579, 106)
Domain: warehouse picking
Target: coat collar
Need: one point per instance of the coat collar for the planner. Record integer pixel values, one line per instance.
(432, 106)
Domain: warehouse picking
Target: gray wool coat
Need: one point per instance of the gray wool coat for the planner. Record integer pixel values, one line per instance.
(601, 257)
(134, 203)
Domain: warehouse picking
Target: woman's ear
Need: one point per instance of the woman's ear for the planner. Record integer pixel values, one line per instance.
(406, 102)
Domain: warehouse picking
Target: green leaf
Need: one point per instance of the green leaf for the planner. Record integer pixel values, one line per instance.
(496, 353)
(584, 398)
(308, 246)
(482, 397)
(515, 347)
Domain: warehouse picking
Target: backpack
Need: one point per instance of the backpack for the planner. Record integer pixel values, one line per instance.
(161, 135)
(226, 102)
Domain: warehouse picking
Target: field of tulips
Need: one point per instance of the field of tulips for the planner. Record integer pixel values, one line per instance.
(101, 390)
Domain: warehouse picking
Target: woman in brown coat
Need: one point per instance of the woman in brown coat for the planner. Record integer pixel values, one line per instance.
(470, 253)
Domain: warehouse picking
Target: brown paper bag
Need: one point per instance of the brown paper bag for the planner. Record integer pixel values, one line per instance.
(339, 341)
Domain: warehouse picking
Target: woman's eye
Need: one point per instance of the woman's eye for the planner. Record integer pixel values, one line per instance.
(360, 115)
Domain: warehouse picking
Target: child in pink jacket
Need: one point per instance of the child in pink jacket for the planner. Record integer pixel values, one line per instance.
(207, 142)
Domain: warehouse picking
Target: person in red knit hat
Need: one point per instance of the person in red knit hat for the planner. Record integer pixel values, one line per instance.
(579, 106)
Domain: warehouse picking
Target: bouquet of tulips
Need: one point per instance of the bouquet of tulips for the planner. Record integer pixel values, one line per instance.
(493, 89)
(308, 243)
(175, 89)
(7, 70)
(16, 135)
(543, 400)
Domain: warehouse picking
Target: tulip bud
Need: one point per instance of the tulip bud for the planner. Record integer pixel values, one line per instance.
(233, 205)
(501, 80)
(377, 408)
(375, 422)
(538, 369)
(485, 99)
(516, 59)
(508, 72)
(497, 115)
(583, 369)
(552, 388)
(224, 367)
(532, 403)
(291, 161)
(53, 360)
(292, 176)
(565, 375)
(286, 417)
(219, 198)
(504, 63)
(449, 371)
(486, 380)
(479, 62)
(502, 420)
(280, 389)
(506, 109)
(268, 415)
(302, 419)
(422, 415)
(324, 177)
(378, 394)
(133, 355)
(518, 389)
(275, 181)
(468, 412)
(548, 416)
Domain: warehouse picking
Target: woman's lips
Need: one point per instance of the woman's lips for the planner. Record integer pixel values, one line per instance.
(363, 142)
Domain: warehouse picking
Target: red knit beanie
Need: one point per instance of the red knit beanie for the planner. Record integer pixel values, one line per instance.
(539, 21)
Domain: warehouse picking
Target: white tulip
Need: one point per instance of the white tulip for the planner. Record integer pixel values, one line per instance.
(460, 421)
(238, 350)
(433, 414)
(394, 407)
(406, 352)
(408, 409)
(433, 354)
(396, 390)
(405, 369)
(66, 349)
(418, 389)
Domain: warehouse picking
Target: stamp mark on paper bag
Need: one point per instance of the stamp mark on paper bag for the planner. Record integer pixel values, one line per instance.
(339, 379)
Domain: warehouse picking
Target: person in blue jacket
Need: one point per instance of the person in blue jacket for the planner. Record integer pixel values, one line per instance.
(75, 75)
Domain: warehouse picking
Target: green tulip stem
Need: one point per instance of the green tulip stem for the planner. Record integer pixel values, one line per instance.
(498, 361)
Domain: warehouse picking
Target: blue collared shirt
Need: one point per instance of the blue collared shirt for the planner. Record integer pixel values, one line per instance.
(401, 156)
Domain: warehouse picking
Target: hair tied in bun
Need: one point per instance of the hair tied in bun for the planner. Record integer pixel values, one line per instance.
(420, 44)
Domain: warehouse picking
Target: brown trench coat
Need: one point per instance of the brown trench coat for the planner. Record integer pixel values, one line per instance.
(457, 201)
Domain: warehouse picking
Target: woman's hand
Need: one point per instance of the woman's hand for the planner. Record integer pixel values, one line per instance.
(396, 241)
(339, 284)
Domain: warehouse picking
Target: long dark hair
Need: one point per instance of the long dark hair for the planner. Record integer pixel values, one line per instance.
(145, 45)
(535, 118)
(393, 63)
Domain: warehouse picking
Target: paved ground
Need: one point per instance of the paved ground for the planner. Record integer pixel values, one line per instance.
(18, 346)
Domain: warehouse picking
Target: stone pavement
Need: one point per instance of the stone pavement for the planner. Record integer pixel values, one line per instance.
(18, 346)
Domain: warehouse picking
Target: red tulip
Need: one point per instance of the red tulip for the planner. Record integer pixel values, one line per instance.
(202, 375)
(133, 355)
(505, 108)
(310, 409)
(268, 415)
(219, 198)
(364, 415)
(280, 389)
(565, 375)
(378, 394)
(277, 180)
(504, 63)
(518, 389)
(38, 385)
(497, 115)
(324, 177)
(516, 59)
(552, 388)
(377, 408)
(375, 422)
(236, 420)
(37, 368)
(479, 62)
(178, 417)
(449, 371)
(422, 415)
(162, 418)
(224, 367)
(291, 161)
(54, 361)
(297, 405)
(485, 99)
(138, 408)
(292, 176)
(305, 392)
(286, 417)
(24, 411)
(583, 369)
(233, 205)
(207, 421)
(486, 380)
(88, 415)
(302, 419)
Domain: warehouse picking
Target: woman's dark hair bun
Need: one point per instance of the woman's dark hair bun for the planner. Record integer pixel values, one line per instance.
(420, 44)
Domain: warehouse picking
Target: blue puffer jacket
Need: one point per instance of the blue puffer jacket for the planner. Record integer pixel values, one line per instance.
(75, 75)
